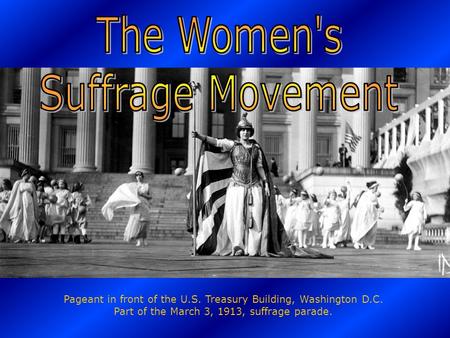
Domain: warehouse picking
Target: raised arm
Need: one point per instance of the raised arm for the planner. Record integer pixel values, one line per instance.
(407, 205)
(208, 139)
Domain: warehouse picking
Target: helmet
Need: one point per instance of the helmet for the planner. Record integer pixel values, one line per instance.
(244, 124)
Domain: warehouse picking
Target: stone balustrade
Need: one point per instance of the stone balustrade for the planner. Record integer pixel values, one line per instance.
(423, 135)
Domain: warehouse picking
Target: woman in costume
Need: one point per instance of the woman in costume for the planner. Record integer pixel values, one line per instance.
(79, 206)
(62, 207)
(136, 196)
(246, 191)
(364, 225)
(343, 233)
(330, 220)
(303, 218)
(22, 210)
(282, 203)
(5, 194)
(290, 220)
(42, 217)
(415, 221)
(314, 229)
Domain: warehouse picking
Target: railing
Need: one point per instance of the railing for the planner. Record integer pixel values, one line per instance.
(418, 125)
(436, 233)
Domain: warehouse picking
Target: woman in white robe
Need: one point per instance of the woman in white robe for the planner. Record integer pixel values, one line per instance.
(135, 196)
(415, 221)
(5, 194)
(282, 204)
(331, 220)
(314, 229)
(364, 225)
(62, 208)
(343, 233)
(303, 217)
(289, 224)
(22, 210)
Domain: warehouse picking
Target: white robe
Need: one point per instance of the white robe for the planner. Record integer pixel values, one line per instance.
(126, 196)
(343, 233)
(416, 218)
(22, 210)
(364, 225)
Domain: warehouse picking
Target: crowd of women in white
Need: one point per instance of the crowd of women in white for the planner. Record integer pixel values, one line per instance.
(305, 217)
(32, 209)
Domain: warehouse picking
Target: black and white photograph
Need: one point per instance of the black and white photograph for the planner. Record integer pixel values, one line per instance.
(263, 172)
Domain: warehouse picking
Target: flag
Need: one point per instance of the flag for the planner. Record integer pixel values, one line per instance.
(351, 138)
(213, 175)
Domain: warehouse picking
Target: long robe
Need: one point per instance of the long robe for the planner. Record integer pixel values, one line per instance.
(22, 210)
(126, 196)
(364, 225)
(416, 218)
(5, 196)
(343, 233)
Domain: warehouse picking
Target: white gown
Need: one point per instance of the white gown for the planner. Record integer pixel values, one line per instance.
(416, 218)
(364, 225)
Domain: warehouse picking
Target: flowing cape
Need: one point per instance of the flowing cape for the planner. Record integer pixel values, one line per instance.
(125, 196)
(214, 172)
(364, 218)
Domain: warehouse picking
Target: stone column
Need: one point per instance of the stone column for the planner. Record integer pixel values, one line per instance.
(254, 75)
(362, 119)
(143, 155)
(380, 148)
(29, 117)
(307, 123)
(386, 144)
(45, 124)
(99, 125)
(85, 147)
(200, 113)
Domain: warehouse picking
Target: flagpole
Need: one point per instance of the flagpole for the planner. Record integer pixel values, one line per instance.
(195, 86)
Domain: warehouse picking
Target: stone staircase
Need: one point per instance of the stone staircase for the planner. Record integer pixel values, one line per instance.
(169, 206)
(168, 212)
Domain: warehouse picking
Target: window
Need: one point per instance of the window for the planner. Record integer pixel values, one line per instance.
(217, 125)
(178, 125)
(17, 86)
(400, 75)
(326, 104)
(272, 148)
(324, 156)
(12, 136)
(441, 76)
(67, 147)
